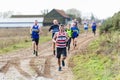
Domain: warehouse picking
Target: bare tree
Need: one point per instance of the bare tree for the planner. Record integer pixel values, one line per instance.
(74, 13)
(44, 12)
(7, 14)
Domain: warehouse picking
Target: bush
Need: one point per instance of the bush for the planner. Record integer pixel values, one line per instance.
(111, 24)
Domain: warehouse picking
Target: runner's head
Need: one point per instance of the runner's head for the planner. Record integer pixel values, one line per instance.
(61, 28)
(55, 21)
(36, 22)
(74, 24)
(94, 24)
(68, 26)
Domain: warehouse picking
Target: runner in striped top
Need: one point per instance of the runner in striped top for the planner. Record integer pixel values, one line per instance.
(61, 38)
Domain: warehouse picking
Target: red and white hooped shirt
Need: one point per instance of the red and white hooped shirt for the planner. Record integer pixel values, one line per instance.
(61, 40)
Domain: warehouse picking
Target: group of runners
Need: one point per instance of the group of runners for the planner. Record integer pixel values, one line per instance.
(93, 26)
(62, 35)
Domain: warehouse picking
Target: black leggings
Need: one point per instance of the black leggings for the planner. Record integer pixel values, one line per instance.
(68, 43)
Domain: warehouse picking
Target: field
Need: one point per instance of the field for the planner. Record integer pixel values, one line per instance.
(15, 38)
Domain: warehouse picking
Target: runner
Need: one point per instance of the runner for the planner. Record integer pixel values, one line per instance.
(69, 32)
(86, 28)
(75, 33)
(60, 39)
(54, 28)
(94, 26)
(35, 30)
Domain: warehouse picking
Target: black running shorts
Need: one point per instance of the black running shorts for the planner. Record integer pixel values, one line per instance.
(93, 30)
(61, 51)
(53, 35)
(36, 40)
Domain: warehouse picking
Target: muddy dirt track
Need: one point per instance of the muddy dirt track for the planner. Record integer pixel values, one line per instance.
(23, 65)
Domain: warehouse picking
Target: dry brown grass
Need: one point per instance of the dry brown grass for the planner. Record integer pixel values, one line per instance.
(12, 32)
(11, 36)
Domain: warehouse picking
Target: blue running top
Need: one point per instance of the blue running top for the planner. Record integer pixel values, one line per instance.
(35, 31)
(75, 32)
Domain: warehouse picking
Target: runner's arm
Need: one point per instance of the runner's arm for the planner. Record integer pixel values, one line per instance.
(50, 28)
(67, 37)
(54, 38)
(40, 30)
(78, 30)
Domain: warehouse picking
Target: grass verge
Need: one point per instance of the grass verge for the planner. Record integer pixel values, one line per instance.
(101, 61)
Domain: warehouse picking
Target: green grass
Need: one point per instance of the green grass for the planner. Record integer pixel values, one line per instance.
(44, 39)
(23, 44)
(102, 60)
(92, 67)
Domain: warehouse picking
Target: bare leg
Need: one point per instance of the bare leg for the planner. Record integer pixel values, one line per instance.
(63, 62)
(75, 43)
(59, 63)
(36, 47)
(64, 58)
(33, 44)
(53, 48)
(68, 43)
(86, 32)
(95, 33)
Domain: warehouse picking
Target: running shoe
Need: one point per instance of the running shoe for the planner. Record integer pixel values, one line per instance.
(59, 69)
(36, 53)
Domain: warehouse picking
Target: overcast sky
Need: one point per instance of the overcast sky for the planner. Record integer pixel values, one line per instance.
(100, 8)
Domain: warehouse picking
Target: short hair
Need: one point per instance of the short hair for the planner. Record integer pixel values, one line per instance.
(55, 20)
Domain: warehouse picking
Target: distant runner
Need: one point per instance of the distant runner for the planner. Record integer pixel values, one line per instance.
(75, 33)
(35, 30)
(54, 28)
(60, 39)
(86, 28)
(94, 26)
